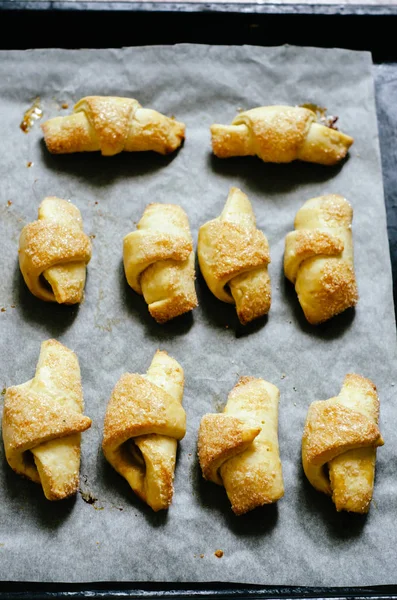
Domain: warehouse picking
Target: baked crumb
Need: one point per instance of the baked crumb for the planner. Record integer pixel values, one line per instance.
(218, 553)
(65, 105)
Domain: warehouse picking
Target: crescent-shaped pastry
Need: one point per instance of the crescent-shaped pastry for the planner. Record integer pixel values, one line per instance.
(318, 258)
(112, 124)
(42, 422)
(159, 261)
(234, 256)
(280, 134)
(54, 252)
(144, 421)
(339, 444)
(239, 448)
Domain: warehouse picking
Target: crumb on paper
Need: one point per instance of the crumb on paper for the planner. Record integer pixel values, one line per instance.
(283, 376)
(218, 553)
(4, 391)
(3, 309)
(92, 236)
(29, 164)
(201, 555)
(64, 105)
(9, 202)
(96, 202)
(294, 388)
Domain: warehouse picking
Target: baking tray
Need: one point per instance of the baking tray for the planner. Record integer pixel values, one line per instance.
(117, 24)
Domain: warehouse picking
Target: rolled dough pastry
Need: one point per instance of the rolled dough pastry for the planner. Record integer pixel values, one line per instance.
(318, 258)
(112, 124)
(54, 252)
(280, 134)
(159, 261)
(234, 256)
(339, 444)
(43, 420)
(239, 448)
(144, 421)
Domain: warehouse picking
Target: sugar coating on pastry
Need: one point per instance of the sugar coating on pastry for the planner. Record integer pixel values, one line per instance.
(42, 422)
(112, 124)
(159, 261)
(339, 444)
(280, 134)
(238, 448)
(318, 258)
(143, 423)
(234, 257)
(54, 252)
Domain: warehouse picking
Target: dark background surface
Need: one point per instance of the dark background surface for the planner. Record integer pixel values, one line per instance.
(40, 24)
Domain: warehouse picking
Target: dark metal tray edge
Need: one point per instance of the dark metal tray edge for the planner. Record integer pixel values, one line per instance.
(224, 7)
(111, 590)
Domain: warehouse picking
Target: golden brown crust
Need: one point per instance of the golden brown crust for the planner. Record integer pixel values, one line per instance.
(112, 124)
(144, 420)
(342, 433)
(239, 448)
(55, 248)
(221, 437)
(234, 256)
(280, 134)
(318, 258)
(44, 417)
(159, 261)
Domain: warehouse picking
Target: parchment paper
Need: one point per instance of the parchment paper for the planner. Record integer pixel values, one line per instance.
(301, 540)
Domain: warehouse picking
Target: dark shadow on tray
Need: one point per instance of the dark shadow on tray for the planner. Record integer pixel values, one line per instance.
(56, 318)
(255, 523)
(111, 480)
(341, 525)
(271, 177)
(222, 314)
(100, 170)
(28, 499)
(137, 306)
(329, 330)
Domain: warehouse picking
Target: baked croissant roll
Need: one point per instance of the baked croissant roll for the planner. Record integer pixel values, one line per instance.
(239, 448)
(280, 134)
(144, 421)
(339, 444)
(54, 252)
(43, 420)
(111, 125)
(234, 256)
(318, 258)
(159, 261)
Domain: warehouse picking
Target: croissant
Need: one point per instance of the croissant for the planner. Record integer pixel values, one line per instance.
(111, 125)
(280, 134)
(234, 256)
(339, 444)
(54, 252)
(43, 420)
(144, 421)
(159, 261)
(318, 258)
(239, 448)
